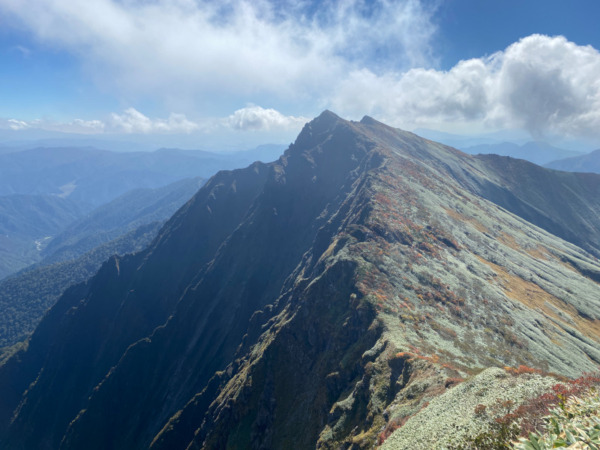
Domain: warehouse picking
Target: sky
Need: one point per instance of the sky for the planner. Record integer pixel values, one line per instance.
(233, 73)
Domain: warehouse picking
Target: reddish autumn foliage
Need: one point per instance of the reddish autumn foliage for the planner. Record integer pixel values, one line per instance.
(392, 426)
(531, 413)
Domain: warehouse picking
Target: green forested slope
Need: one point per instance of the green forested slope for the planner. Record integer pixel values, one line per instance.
(26, 223)
(25, 297)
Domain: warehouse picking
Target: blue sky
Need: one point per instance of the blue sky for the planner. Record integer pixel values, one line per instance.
(236, 72)
(474, 28)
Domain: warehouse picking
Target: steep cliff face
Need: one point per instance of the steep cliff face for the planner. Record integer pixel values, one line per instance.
(310, 301)
(87, 332)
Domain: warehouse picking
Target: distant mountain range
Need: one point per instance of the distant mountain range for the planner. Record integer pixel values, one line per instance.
(92, 177)
(536, 152)
(320, 300)
(123, 214)
(589, 162)
(45, 190)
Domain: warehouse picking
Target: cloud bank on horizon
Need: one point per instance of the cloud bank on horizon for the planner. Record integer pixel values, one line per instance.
(542, 84)
(267, 65)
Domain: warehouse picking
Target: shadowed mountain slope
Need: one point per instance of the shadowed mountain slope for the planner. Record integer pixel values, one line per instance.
(44, 190)
(127, 224)
(308, 301)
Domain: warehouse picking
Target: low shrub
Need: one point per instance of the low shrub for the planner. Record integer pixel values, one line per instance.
(568, 415)
(574, 424)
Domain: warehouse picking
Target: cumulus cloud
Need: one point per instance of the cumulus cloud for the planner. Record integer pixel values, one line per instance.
(257, 118)
(89, 125)
(207, 48)
(133, 121)
(353, 56)
(540, 83)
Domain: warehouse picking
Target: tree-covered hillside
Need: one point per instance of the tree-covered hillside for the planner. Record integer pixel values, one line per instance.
(25, 297)
(26, 224)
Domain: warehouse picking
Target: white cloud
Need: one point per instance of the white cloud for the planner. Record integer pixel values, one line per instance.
(133, 121)
(540, 83)
(199, 49)
(256, 118)
(130, 121)
(16, 125)
(75, 126)
(550, 83)
(355, 57)
(91, 125)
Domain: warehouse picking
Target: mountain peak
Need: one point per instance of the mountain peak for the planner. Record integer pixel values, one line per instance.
(368, 120)
(313, 131)
(324, 121)
(375, 124)
(327, 115)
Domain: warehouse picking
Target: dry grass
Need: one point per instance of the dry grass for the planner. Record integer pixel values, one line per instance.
(464, 219)
(541, 253)
(534, 297)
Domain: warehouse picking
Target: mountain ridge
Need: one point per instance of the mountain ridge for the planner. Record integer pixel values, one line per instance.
(589, 162)
(309, 301)
(537, 152)
(92, 177)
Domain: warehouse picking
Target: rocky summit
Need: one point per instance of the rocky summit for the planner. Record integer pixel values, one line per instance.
(312, 301)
